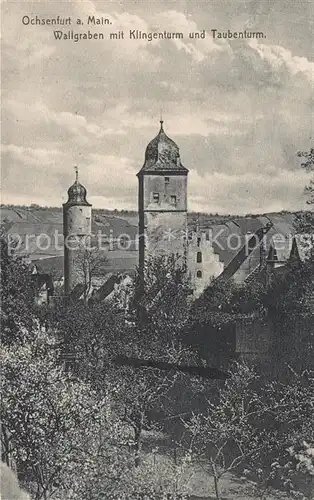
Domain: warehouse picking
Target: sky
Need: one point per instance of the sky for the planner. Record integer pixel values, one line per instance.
(239, 109)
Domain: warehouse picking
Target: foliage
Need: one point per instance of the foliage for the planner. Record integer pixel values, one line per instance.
(305, 220)
(17, 293)
(161, 309)
(224, 300)
(161, 296)
(225, 435)
(92, 334)
(67, 438)
(213, 318)
(80, 433)
(57, 425)
(89, 262)
(292, 291)
(96, 334)
(261, 429)
(308, 162)
(288, 419)
(304, 457)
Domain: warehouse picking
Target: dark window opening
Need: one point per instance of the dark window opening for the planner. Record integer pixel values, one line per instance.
(198, 242)
(167, 180)
(199, 274)
(252, 243)
(124, 242)
(199, 257)
(156, 197)
(173, 200)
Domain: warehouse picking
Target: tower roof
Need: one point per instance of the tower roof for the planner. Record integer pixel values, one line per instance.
(162, 155)
(77, 193)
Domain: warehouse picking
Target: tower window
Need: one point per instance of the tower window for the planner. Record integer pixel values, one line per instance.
(167, 180)
(173, 200)
(199, 257)
(156, 197)
(199, 274)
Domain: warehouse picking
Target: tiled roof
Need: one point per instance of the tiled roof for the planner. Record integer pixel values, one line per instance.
(77, 195)
(117, 261)
(301, 246)
(162, 154)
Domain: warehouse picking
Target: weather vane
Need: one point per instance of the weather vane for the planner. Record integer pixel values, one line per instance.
(76, 173)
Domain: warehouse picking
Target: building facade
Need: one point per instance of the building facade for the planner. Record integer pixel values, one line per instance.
(162, 207)
(203, 262)
(162, 201)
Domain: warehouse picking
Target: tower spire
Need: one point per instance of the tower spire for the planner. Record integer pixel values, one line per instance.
(161, 119)
(76, 173)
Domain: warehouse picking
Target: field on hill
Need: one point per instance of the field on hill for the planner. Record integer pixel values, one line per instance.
(33, 225)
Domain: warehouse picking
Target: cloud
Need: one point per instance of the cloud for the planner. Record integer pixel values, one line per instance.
(279, 58)
(204, 124)
(198, 48)
(59, 128)
(239, 110)
(38, 157)
(110, 172)
(248, 192)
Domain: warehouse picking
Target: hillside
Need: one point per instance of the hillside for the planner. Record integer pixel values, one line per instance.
(54, 214)
(33, 225)
(39, 232)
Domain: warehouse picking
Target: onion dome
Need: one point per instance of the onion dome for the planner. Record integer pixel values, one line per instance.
(77, 193)
(162, 155)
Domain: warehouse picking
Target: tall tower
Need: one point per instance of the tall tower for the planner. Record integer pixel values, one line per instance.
(76, 231)
(162, 200)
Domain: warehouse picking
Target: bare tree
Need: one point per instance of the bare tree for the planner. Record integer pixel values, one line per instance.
(224, 437)
(89, 265)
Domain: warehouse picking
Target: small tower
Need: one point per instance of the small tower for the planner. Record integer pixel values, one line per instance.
(76, 231)
(162, 200)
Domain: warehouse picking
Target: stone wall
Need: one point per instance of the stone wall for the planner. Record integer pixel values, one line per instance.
(166, 186)
(277, 345)
(77, 233)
